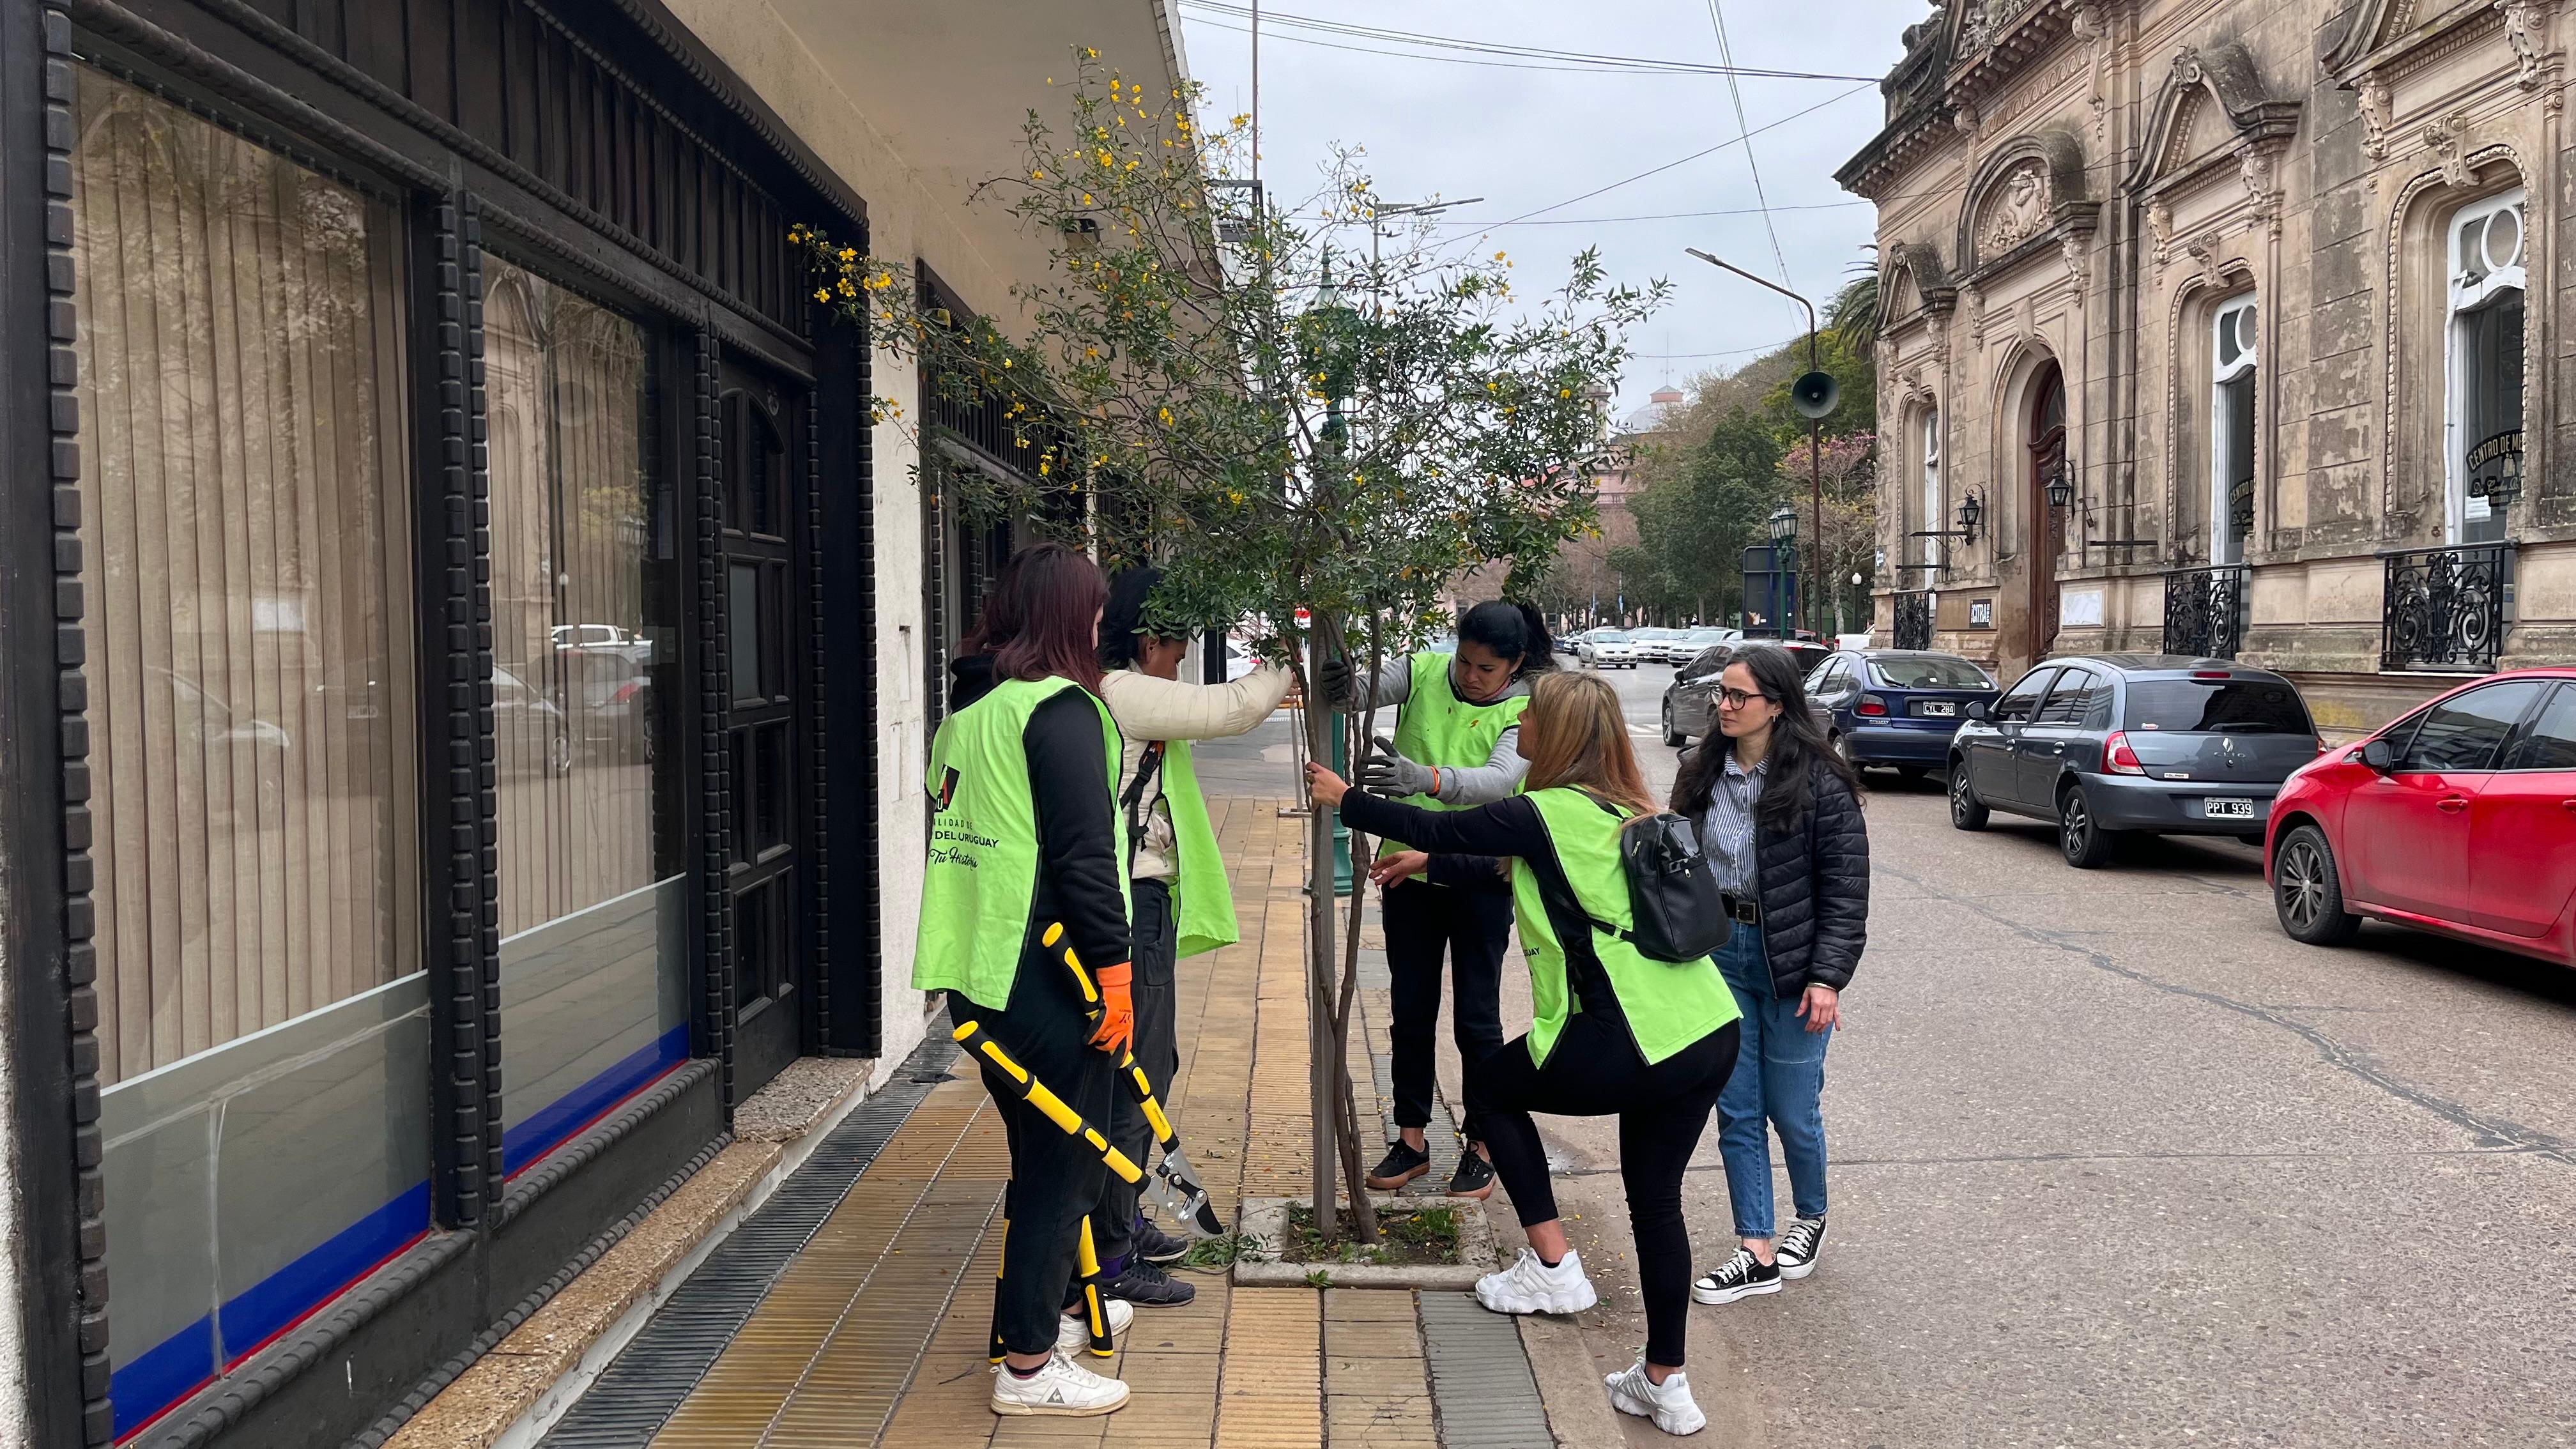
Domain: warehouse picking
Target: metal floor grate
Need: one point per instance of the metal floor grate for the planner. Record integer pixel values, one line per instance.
(1480, 1378)
(638, 1392)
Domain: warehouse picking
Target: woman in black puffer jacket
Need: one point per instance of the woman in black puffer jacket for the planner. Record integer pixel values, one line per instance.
(1780, 820)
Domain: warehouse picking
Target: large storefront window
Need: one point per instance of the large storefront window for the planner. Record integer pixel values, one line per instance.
(2488, 241)
(584, 603)
(263, 1027)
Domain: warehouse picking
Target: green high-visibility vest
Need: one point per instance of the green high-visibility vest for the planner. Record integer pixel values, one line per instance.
(1436, 727)
(980, 884)
(1202, 898)
(1668, 1006)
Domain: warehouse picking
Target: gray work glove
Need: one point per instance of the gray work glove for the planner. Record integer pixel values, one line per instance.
(1333, 679)
(1392, 775)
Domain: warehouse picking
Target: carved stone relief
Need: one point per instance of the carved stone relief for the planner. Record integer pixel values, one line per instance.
(2375, 117)
(2071, 247)
(2094, 34)
(2262, 187)
(2442, 137)
(2526, 30)
(1972, 304)
(2159, 229)
(2017, 209)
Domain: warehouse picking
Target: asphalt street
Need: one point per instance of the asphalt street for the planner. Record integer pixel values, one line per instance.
(2115, 1162)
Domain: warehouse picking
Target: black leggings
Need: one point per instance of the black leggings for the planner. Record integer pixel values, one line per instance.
(1475, 928)
(1113, 1226)
(1055, 1177)
(1596, 1071)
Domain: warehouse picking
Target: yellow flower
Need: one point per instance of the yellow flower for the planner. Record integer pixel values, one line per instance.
(1037, 176)
(1086, 198)
(1498, 256)
(822, 296)
(1167, 417)
(1565, 392)
(1094, 54)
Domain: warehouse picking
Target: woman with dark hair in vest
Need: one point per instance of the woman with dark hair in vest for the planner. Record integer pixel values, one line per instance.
(1457, 745)
(1023, 895)
(1780, 822)
(1612, 1030)
(1183, 904)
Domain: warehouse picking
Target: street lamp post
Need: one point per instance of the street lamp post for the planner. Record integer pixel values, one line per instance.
(1815, 422)
(1784, 535)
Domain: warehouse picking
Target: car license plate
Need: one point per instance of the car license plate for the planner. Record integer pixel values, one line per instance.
(2231, 809)
(1939, 707)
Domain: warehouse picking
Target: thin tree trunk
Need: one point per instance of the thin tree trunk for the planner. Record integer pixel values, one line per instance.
(1363, 1212)
(1324, 1103)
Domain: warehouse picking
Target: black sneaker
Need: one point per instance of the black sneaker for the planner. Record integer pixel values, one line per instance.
(1800, 1246)
(1474, 1177)
(1156, 1246)
(1741, 1276)
(1147, 1286)
(1402, 1164)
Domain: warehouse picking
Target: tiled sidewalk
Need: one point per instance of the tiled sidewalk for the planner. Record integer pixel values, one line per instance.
(875, 1335)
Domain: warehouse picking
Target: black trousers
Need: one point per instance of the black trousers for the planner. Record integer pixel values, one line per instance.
(1055, 1176)
(1595, 1071)
(1158, 1051)
(1475, 928)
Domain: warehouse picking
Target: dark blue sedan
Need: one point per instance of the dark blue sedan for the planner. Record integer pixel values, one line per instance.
(1896, 706)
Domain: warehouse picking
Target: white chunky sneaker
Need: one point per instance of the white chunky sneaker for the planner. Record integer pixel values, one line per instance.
(1669, 1403)
(1062, 1387)
(1074, 1333)
(1531, 1286)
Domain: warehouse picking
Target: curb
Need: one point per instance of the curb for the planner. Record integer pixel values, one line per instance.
(1265, 1219)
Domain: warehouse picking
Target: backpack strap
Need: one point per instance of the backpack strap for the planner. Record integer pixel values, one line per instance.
(1134, 803)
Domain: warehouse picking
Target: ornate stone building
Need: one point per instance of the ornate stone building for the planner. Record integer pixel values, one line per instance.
(2205, 330)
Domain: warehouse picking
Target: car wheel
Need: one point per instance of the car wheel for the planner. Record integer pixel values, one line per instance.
(2080, 837)
(1842, 746)
(1672, 736)
(1967, 812)
(2307, 893)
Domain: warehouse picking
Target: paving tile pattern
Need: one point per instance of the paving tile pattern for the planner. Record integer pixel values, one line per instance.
(875, 1336)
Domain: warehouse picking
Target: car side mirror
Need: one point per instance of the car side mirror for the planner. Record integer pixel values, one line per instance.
(1976, 709)
(2378, 756)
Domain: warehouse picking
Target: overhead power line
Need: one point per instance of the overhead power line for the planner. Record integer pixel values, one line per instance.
(1421, 46)
(1654, 216)
(1735, 91)
(1695, 155)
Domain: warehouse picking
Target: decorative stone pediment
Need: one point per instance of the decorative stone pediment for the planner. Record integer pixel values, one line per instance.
(2389, 37)
(2213, 110)
(1914, 282)
(2030, 188)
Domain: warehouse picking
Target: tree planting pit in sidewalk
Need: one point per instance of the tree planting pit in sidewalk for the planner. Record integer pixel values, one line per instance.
(1269, 1262)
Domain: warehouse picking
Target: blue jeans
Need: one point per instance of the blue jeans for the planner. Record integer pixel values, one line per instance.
(1779, 1079)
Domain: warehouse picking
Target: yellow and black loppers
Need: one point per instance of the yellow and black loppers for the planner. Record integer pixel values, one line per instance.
(971, 1036)
(1175, 1185)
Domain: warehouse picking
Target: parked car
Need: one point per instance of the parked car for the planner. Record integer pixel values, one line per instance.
(1658, 646)
(1690, 701)
(2112, 744)
(1700, 637)
(1606, 649)
(1897, 706)
(532, 735)
(2459, 819)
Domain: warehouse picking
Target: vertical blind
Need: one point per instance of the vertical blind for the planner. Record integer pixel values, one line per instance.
(573, 699)
(251, 694)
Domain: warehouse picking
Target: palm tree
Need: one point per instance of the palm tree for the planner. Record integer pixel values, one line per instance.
(1854, 310)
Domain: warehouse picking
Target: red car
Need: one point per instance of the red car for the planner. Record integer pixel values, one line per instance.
(2459, 818)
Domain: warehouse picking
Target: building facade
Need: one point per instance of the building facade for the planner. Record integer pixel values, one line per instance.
(2206, 330)
(469, 655)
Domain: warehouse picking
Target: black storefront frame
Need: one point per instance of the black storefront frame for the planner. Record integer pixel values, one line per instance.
(500, 1248)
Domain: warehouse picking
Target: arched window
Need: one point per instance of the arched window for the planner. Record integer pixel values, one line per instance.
(2482, 431)
(2231, 435)
(1930, 485)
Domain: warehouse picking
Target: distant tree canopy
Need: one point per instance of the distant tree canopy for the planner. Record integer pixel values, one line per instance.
(1707, 482)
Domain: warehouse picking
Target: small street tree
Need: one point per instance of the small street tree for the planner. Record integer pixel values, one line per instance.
(1207, 383)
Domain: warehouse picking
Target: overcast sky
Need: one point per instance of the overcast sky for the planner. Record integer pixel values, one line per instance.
(1531, 138)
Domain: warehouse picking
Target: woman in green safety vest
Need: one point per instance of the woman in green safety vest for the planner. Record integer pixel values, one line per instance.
(1024, 925)
(1457, 745)
(1183, 904)
(1612, 1031)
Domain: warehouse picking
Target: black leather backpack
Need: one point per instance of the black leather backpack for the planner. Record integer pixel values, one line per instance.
(1679, 911)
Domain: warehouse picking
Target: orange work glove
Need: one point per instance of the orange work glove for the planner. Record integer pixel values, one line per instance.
(1117, 1031)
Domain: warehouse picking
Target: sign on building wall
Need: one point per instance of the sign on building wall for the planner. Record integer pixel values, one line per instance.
(2078, 608)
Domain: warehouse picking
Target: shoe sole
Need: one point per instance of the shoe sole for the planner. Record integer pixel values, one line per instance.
(1181, 1302)
(1563, 1303)
(1793, 1274)
(1174, 1256)
(1626, 1406)
(1390, 1184)
(1478, 1194)
(1010, 1410)
(1729, 1295)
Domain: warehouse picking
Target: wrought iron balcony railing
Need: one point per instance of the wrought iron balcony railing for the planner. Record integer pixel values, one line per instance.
(2443, 609)
(1914, 619)
(2205, 611)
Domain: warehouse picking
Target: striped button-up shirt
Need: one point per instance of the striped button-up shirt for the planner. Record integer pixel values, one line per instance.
(1726, 827)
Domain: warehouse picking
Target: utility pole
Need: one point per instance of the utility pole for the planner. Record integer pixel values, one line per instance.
(1815, 436)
